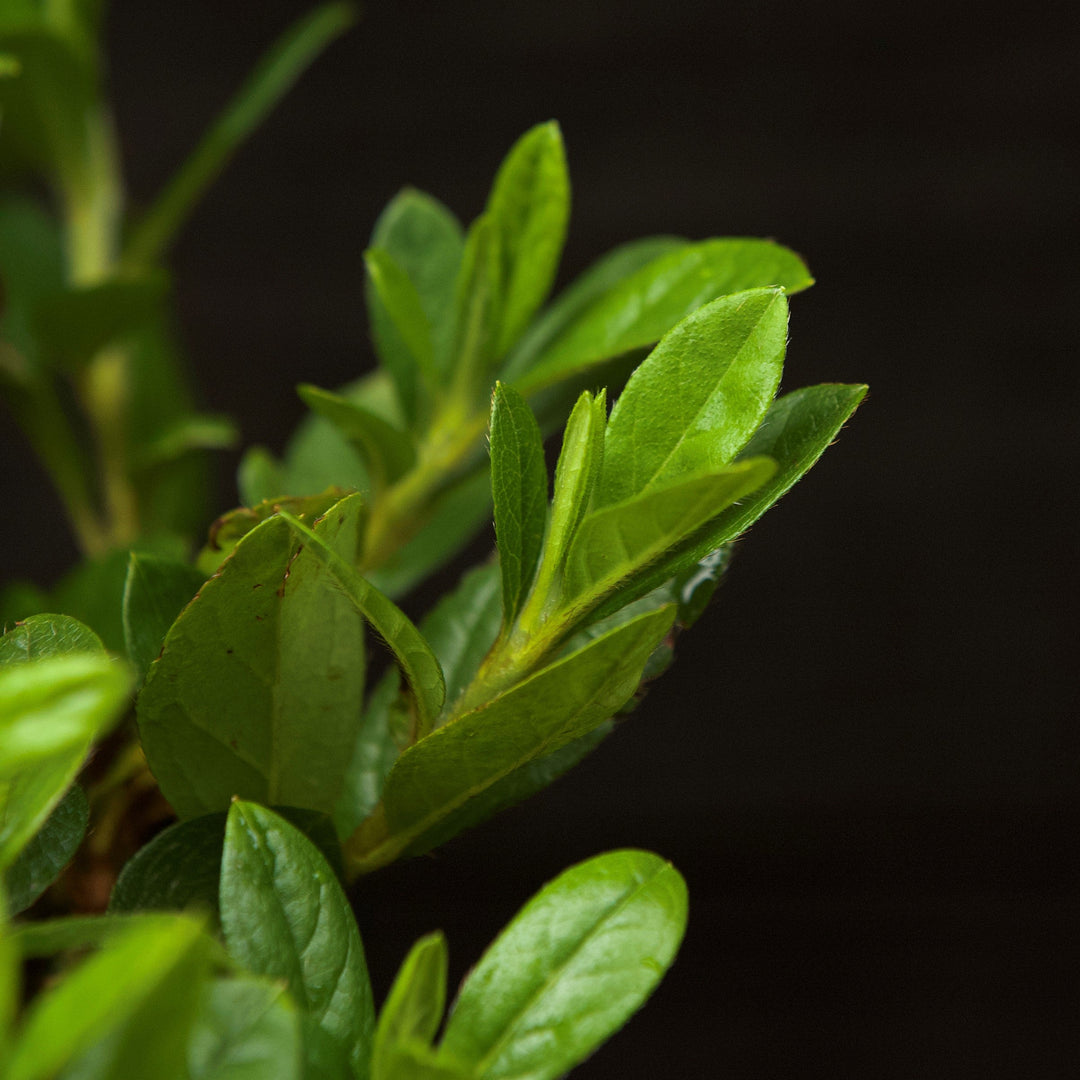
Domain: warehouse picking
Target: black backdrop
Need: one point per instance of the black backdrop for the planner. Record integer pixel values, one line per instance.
(864, 761)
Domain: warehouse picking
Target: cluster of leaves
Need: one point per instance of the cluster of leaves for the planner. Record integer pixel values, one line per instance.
(229, 947)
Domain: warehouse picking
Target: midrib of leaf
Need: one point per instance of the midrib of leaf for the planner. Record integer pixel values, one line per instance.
(557, 974)
(689, 427)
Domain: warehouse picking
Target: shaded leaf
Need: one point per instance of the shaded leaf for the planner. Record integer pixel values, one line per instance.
(285, 916)
(185, 434)
(570, 969)
(478, 305)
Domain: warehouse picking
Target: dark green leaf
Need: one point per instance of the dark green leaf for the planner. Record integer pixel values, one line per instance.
(570, 969)
(519, 488)
(388, 452)
(645, 306)
(185, 434)
(141, 989)
(698, 397)
(284, 915)
(601, 277)
(39, 863)
(41, 636)
(478, 305)
(463, 759)
(156, 592)
(259, 476)
(529, 207)
(413, 653)
(246, 1029)
(266, 85)
(414, 1007)
(425, 240)
(261, 679)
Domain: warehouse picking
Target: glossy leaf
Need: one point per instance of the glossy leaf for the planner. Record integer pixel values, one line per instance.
(413, 653)
(142, 988)
(261, 678)
(570, 969)
(156, 592)
(40, 863)
(42, 636)
(698, 397)
(645, 306)
(618, 542)
(414, 1007)
(519, 487)
(459, 762)
(398, 301)
(388, 452)
(246, 1029)
(285, 916)
(51, 711)
(426, 241)
(598, 279)
(529, 207)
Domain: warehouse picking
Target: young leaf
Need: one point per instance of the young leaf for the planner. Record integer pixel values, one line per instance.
(284, 915)
(698, 397)
(41, 636)
(397, 297)
(620, 541)
(262, 677)
(156, 591)
(519, 488)
(645, 306)
(44, 938)
(246, 1029)
(460, 761)
(129, 1008)
(39, 863)
(601, 277)
(417, 661)
(426, 241)
(529, 207)
(570, 969)
(414, 1007)
(388, 452)
(51, 711)
(478, 304)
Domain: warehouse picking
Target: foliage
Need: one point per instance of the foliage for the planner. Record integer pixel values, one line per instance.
(229, 948)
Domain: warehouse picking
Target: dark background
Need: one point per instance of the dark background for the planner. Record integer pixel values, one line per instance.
(864, 761)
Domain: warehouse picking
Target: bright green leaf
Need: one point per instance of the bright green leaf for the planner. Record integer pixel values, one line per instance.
(645, 306)
(285, 916)
(156, 592)
(436, 778)
(570, 969)
(41, 636)
(39, 863)
(519, 488)
(698, 397)
(261, 678)
(529, 207)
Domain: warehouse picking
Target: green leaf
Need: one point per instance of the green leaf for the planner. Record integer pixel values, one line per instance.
(284, 915)
(180, 868)
(529, 207)
(157, 590)
(39, 863)
(413, 653)
(10, 983)
(414, 1007)
(598, 279)
(41, 636)
(460, 761)
(570, 969)
(51, 711)
(261, 678)
(388, 452)
(266, 85)
(259, 476)
(426, 241)
(77, 933)
(645, 306)
(142, 989)
(698, 397)
(616, 543)
(197, 431)
(246, 1029)
(519, 488)
(478, 305)
(796, 430)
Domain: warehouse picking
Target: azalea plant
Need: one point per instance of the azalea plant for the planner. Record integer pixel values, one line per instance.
(197, 755)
